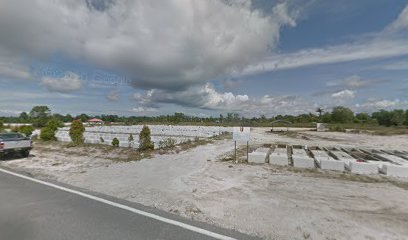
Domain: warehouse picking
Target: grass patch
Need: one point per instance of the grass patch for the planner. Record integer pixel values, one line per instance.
(368, 128)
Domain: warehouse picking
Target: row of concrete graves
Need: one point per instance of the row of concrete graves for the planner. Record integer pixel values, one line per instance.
(105, 134)
(354, 160)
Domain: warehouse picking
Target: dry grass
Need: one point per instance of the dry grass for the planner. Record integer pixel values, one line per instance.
(116, 154)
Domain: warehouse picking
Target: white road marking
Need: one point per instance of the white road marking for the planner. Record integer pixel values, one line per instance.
(124, 207)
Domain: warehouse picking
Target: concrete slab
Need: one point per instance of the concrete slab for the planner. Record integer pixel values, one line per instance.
(279, 159)
(257, 157)
(394, 170)
(364, 167)
(326, 163)
(303, 162)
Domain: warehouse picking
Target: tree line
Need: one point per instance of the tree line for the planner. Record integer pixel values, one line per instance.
(39, 116)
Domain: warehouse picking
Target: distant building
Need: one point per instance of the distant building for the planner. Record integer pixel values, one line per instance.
(95, 121)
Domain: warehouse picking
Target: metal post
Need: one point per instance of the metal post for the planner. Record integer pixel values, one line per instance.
(236, 152)
(247, 151)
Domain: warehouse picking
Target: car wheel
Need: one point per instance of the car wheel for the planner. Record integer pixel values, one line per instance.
(25, 153)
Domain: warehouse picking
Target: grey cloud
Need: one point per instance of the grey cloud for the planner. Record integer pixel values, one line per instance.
(12, 69)
(203, 96)
(159, 44)
(208, 98)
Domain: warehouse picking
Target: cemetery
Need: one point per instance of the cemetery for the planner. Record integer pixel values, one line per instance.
(357, 161)
(105, 134)
(297, 176)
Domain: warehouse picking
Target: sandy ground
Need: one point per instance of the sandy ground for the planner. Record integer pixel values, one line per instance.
(262, 200)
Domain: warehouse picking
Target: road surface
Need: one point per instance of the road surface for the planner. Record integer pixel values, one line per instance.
(34, 210)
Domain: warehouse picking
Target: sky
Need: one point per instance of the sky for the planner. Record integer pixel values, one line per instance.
(203, 58)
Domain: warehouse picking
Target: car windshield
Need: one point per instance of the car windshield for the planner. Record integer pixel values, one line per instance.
(10, 136)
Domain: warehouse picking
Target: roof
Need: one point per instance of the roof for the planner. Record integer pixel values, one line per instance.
(95, 120)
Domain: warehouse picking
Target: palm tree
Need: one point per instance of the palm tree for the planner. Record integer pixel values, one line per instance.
(320, 111)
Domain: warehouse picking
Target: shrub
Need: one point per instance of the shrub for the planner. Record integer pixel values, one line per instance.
(54, 124)
(115, 142)
(167, 143)
(26, 130)
(130, 139)
(337, 128)
(47, 134)
(145, 142)
(76, 132)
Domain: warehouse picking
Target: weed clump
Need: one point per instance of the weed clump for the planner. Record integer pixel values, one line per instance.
(115, 142)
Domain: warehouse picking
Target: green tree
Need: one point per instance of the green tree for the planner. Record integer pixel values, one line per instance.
(76, 132)
(47, 134)
(40, 112)
(83, 117)
(397, 117)
(24, 117)
(54, 124)
(406, 117)
(40, 116)
(362, 117)
(145, 142)
(342, 114)
(26, 130)
(383, 117)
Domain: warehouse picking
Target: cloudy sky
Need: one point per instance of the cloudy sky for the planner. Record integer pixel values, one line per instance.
(203, 57)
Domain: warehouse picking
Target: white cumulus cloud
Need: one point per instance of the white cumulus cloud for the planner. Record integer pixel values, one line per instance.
(343, 95)
(68, 83)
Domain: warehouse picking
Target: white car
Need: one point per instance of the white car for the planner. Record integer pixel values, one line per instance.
(15, 143)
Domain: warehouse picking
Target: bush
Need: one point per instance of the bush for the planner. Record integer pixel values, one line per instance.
(145, 142)
(1, 126)
(26, 130)
(76, 132)
(115, 142)
(54, 124)
(167, 143)
(40, 122)
(337, 128)
(47, 134)
(342, 115)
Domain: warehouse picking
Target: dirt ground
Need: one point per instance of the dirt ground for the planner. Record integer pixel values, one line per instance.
(262, 200)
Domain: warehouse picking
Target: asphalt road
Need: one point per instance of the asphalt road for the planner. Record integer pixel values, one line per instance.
(31, 210)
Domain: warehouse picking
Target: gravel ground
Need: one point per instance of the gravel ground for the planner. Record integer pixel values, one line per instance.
(263, 200)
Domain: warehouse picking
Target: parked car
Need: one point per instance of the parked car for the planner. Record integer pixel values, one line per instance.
(11, 143)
